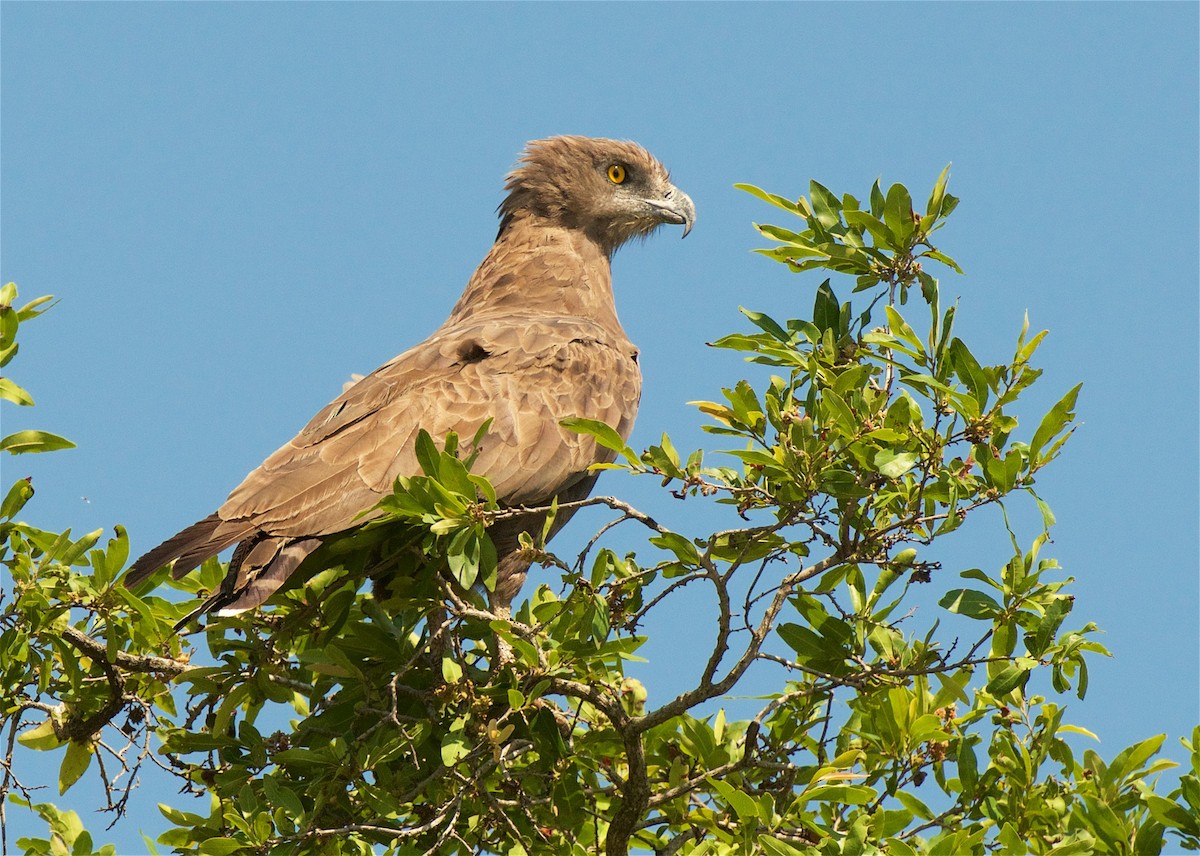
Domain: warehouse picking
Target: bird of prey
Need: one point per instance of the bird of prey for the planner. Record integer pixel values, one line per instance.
(533, 339)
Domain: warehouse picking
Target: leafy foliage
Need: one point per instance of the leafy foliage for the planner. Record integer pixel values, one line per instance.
(407, 718)
(10, 320)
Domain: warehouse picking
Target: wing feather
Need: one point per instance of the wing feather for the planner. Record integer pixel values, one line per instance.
(532, 376)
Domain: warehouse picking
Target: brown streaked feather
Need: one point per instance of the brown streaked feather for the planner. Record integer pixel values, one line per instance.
(534, 339)
(202, 539)
(533, 377)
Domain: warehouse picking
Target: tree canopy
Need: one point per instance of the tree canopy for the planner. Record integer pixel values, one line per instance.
(379, 706)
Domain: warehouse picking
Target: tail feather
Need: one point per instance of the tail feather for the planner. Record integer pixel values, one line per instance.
(260, 565)
(258, 568)
(189, 548)
(262, 582)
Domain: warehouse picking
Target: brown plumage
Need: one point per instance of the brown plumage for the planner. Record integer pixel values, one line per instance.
(534, 339)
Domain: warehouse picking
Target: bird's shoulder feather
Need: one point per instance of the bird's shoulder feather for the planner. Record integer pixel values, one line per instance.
(523, 374)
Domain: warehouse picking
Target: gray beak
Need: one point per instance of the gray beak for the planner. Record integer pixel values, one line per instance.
(676, 207)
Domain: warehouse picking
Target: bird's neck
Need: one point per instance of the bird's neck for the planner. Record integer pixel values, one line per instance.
(540, 268)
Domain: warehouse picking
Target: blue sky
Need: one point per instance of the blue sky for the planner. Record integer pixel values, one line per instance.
(240, 205)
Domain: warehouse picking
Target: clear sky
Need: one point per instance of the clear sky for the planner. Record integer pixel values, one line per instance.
(239, 205)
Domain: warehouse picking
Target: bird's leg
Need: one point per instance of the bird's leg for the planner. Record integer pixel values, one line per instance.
(511, 571)
(504, 651)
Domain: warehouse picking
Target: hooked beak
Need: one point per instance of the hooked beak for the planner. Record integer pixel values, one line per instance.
(676, 207)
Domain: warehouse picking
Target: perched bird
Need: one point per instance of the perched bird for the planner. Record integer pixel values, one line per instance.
(533, 339)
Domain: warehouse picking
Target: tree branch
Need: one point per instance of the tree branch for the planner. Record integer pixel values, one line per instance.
(129, 662)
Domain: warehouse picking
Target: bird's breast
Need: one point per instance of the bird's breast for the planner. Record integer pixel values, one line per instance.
(532, 379)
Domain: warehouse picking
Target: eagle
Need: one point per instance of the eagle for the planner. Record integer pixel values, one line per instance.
(534, 339)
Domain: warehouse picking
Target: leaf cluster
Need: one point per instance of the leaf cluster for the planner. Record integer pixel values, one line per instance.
(882, 243)
(10, 319)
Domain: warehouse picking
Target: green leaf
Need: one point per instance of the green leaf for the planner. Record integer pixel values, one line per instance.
(331, 661)
(969, 371)
(604, 434)
(452, 672)
(1025, 350)
(1130, 759)
(944, 259)
(902, 330)
(180, 818)
(1012, 841)
(1172, 815)
(898, 214)
(893, 464)
(774, 847)
(977, 574)
(1053, 422)
(31, 310)
(465, 556)
(8, 326)
(1004, 639)
(11, 392)
(797, 249)
(934, 207)
(1009, 677)
(283, 797)
(878, 230)
(898, 847)
(41, 738)
(787, 236)
(427, 454)
(916, 806)
(836, 413)
(19, 494)
(683, 549)
(1149, 839)
(454, 748)
(221, 846)
(953, 687)
(1106, 825)
(765, 323)
(968, 766)
(74, 764)
(971, 603)
(23, 442)
(78, 548)
(117, 551)
(848, 794)
(827, 313)
(826, 206)
(743, 805)
(777, 201)
(1047, 515)
(825, 648)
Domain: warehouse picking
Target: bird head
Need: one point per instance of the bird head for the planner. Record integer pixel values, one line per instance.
(610, 189)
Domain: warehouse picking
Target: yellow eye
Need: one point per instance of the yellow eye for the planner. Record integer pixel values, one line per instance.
(616, 173)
